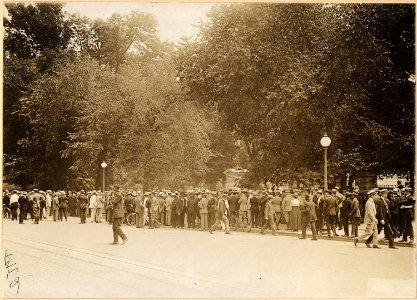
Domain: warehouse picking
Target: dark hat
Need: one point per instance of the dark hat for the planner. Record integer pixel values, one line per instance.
(328, 191)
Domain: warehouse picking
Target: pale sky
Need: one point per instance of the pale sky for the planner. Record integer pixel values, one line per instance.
(175, 20)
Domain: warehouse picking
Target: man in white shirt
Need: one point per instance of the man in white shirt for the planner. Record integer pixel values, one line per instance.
(92, 206)
(14, 204)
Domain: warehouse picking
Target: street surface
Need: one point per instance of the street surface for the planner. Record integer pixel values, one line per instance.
(71, 260)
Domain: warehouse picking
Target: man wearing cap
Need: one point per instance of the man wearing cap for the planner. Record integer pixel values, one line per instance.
(269, 216)
(203, 212)
(55, 206)
(36, 207)
(388, 230)
(276, 204)
(168, 208)
(139, 206)
(83, 201)
(345, 212)
(371, 222)
(355, 215)
(211, 208)
(23, 205)
(48, 201)
(406, 207)
(191, 210)
(14, 204)
(286, 208)
(254, 211)
(92, 206)
(222, 215)
(63, 206)
(318, 200)
(330, 211)
(243, 209)
(308, 216)
(99, 206)
(118, 212)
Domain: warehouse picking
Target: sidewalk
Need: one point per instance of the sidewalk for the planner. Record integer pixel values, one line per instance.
(284, 232)
(361, 230)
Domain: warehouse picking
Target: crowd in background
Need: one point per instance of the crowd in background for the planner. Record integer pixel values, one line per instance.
(325, 212)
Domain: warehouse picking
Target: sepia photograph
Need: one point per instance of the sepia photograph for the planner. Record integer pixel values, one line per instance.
(208, 150)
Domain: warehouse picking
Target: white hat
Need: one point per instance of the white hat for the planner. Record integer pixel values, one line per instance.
(371, 192)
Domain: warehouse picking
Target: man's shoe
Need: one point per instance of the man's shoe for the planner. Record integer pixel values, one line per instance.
(302, 238)
(367, 245)
(124, 241)
(227, 232)
(376, 247)
(211, 232)
(114, 243)
(355, 241)
(313, 239)
(393, 247)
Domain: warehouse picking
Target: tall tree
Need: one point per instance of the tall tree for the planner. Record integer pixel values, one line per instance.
(282, 74)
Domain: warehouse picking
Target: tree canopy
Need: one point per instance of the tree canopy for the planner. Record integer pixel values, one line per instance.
(270, 77)
(281, 75)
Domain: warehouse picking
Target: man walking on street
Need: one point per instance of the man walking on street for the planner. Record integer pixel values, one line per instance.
(355, 215)
(222, 215)
(370, 221)
(118, 212)
(269, 216)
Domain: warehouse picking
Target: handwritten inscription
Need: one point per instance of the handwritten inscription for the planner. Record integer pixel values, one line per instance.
(12, 271)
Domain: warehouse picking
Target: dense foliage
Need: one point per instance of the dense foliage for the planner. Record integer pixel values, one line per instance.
(270, 77)
(281, 75)
(112, 95)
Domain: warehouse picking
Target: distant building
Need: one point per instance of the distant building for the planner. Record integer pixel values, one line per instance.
(390, 182)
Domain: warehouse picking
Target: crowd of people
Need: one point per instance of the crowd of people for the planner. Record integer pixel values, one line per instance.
(325, 212)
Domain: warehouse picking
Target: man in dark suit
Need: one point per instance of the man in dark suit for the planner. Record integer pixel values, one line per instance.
(308, 216)
(355, 214)
(380, 212)
(118, 212)
(191, 210)
(23, 204)
(234, 208)
(345, 213)
(181, 209)
(83, 201)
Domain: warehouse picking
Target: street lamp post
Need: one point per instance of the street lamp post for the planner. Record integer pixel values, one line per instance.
(325, 142)
(103, 166)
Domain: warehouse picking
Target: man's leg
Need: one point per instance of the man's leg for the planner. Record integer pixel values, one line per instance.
(303, 229)
(313, 230)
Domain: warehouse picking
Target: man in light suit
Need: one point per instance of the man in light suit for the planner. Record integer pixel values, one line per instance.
(203, 204)
(370, 221)
(222, 214)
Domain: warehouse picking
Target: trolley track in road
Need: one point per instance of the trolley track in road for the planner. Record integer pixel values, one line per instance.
(165, 278)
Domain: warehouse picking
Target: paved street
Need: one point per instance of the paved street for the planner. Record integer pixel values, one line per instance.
(66, 259)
